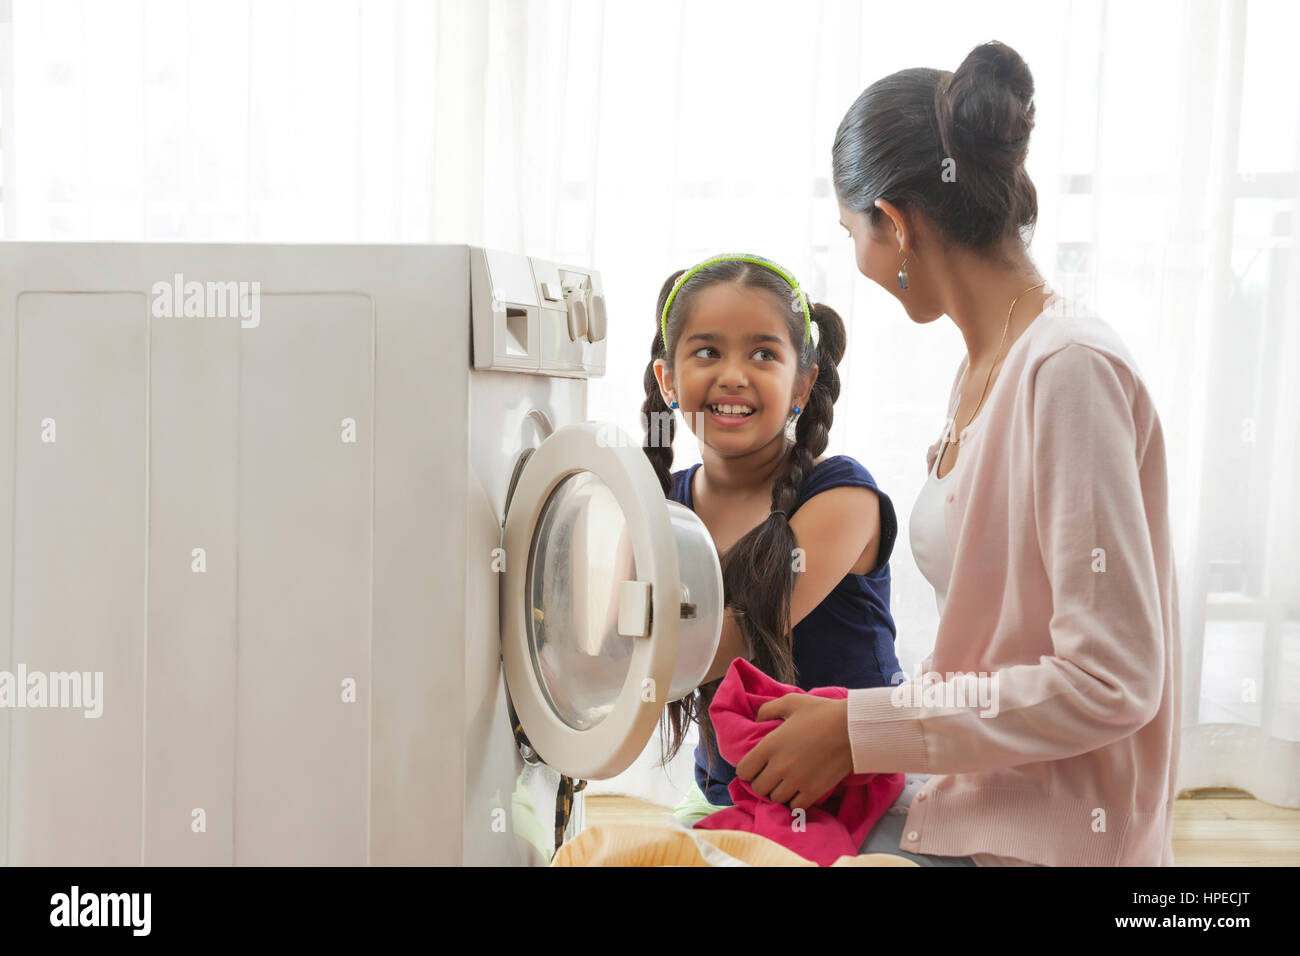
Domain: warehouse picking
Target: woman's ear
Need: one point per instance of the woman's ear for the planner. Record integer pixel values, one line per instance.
(898, 224)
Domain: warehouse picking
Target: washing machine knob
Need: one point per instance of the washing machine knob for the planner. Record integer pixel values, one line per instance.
(577, 310)
(597, 326)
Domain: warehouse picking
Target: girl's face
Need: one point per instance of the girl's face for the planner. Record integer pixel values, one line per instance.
(736, 369)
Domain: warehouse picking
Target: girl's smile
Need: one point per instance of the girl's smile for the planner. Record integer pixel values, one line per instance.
(731, 414)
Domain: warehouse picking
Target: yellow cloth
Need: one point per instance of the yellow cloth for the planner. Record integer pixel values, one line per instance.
(527, 823)
(628, 844)
(694, 807)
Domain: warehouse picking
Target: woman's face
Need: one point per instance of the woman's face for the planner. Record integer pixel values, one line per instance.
(735, 350)
(875, 251)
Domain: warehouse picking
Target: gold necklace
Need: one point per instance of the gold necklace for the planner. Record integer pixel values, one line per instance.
(989, 377)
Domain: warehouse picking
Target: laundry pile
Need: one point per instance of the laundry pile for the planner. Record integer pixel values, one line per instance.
(631, 844)
(837, 824)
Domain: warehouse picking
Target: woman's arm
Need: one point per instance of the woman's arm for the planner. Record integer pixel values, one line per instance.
(1104, 679)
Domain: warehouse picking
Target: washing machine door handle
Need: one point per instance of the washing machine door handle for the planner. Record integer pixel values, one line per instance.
(634, 603)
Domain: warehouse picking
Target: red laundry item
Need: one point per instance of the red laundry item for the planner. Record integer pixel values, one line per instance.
(837, 824)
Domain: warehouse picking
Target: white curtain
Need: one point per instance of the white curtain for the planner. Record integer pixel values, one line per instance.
(641, 138)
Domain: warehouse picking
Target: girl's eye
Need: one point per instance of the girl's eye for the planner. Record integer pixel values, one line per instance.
(710, 348)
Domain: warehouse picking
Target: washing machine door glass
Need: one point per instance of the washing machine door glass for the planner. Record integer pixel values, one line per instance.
(593, 600)
(580, 555)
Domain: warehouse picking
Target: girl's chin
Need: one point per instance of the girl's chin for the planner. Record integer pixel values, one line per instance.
(738, 440)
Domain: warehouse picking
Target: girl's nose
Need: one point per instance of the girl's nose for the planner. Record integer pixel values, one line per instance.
(732, 372)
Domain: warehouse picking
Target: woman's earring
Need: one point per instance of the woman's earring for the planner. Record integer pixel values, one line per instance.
(797, 410)
(902, 275)
(673, 403)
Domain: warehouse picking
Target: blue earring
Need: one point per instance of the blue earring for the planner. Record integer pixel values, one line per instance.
(797, 410)
(673, 403)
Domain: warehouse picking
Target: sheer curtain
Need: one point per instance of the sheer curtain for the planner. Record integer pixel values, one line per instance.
(641, 139)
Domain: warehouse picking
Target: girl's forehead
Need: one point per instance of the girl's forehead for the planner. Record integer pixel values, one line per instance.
(726, 307)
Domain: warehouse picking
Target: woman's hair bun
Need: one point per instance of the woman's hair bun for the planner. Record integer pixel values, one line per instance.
(951, 146)
(985, 109)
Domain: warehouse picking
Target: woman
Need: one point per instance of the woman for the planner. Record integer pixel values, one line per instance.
(1049, 726)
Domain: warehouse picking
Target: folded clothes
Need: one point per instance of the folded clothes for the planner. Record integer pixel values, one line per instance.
(833, 827)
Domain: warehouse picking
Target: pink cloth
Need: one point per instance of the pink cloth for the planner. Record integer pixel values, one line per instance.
(840, 820)
(1063, 589)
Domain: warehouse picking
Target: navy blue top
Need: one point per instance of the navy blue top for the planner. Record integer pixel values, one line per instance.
(848, 639)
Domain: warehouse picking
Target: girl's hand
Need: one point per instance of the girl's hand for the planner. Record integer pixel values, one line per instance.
(801, 761)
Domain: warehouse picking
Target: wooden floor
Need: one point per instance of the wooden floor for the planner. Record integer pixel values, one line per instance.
(1211, 827)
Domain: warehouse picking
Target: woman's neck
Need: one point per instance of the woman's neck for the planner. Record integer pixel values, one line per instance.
(976, 296)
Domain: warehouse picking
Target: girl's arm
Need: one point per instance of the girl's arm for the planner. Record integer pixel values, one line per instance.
(730, 646)
(833, 529)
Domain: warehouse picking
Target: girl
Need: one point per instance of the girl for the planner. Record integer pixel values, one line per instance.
(1043, 524)
(804, 541)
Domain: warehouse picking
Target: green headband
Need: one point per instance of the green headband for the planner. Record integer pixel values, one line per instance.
(739, 257)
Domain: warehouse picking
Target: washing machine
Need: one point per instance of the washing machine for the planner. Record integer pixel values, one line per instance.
(312, 556)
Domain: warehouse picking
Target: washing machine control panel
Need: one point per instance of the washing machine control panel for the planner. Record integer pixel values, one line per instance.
(537, 316)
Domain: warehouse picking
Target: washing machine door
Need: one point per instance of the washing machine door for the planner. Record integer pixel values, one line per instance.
(604, 577)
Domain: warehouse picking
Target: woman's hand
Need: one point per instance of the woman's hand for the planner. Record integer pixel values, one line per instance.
(801, 761)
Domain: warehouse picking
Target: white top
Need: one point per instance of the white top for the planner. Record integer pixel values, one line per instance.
(928, 531)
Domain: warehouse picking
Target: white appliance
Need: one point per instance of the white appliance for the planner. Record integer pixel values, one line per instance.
(262, 490)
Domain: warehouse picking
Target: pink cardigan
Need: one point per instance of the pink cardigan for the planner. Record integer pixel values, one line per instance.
(1063, 593)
